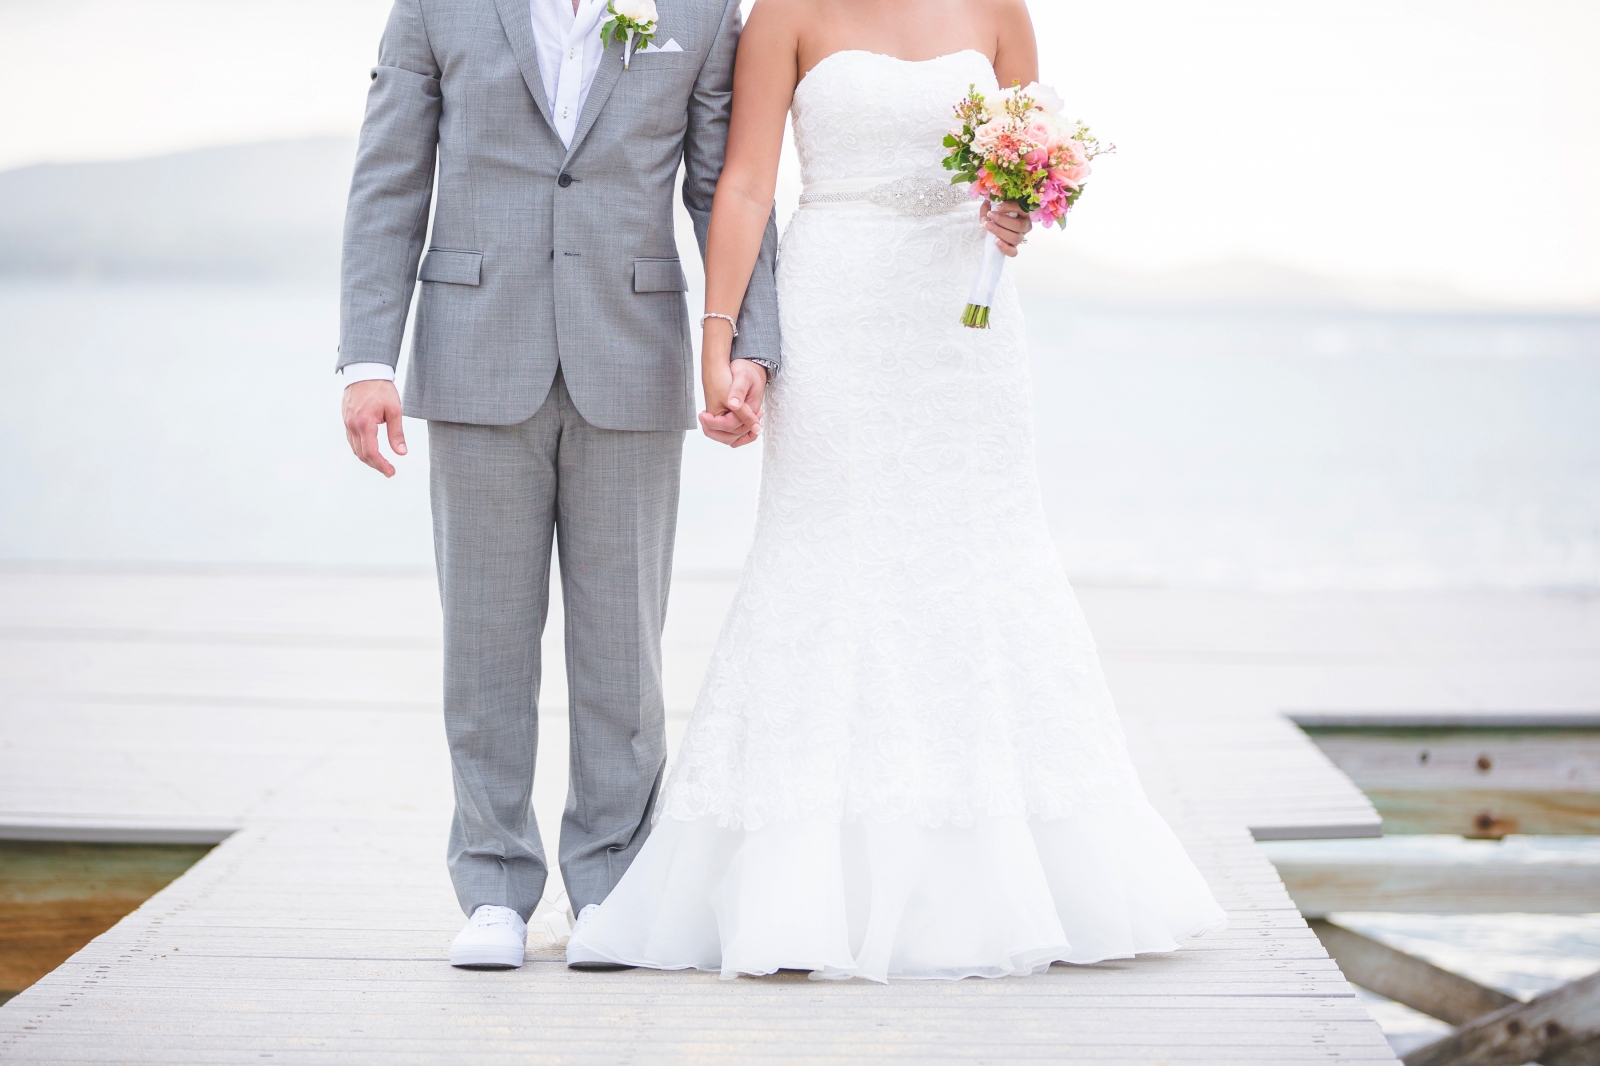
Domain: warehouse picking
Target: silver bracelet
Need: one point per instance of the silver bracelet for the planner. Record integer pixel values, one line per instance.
(725, 318)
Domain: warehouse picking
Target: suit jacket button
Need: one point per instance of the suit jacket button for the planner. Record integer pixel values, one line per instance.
(564, 180)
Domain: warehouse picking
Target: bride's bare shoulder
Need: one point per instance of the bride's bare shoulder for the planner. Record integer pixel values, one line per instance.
(1016, 54)
(772, 29)
(1004, 12)
(775, 16)
(769, 48)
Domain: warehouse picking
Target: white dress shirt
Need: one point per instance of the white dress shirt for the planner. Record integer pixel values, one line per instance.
(569, 50)
(569, 54)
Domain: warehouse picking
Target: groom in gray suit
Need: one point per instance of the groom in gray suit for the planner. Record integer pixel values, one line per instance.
(551, 360)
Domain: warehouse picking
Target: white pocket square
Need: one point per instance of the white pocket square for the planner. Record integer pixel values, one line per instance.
(670, 46)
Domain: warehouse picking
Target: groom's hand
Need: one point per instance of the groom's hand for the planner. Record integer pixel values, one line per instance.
(366, 405)
(734, 404)
(1008, 222)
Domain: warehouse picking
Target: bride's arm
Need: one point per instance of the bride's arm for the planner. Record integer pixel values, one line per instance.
(1016, 54)
(764, 80)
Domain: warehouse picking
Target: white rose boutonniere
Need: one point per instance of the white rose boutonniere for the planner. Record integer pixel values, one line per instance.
(633, 22)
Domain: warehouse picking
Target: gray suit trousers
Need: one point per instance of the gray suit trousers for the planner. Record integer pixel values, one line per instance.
(501, 496)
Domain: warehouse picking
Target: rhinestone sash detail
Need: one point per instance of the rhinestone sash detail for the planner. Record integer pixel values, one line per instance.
(918, 195)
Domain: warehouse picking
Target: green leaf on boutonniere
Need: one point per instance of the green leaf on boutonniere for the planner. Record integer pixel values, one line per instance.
(634, 27)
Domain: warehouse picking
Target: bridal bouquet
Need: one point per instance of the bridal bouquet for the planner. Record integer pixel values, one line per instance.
(1016, 147)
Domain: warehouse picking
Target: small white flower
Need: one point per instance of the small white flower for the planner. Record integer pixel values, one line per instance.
(1048, 100)
(640, 11)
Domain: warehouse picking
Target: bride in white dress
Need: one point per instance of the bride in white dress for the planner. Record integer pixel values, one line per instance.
(904, 761)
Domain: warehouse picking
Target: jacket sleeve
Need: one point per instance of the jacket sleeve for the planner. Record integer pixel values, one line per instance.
(386, 219)
(704, 146)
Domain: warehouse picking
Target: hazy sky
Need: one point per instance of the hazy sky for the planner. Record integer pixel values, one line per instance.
(1453, 141)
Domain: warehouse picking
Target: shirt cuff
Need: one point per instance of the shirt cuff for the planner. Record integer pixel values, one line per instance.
(355, 372)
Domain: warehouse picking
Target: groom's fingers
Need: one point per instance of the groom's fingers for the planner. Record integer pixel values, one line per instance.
(364, 405)
(370, 453)
(739, 438)
(362, 430)
(397, 433)
(725, 429)
(744, 400)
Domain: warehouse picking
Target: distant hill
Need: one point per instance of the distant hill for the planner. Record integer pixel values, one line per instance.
(275, 211)
(255, 211)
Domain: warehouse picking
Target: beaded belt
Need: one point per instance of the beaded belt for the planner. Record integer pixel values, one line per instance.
(919, 195)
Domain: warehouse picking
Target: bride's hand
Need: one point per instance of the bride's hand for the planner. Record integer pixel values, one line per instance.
(1008, 222)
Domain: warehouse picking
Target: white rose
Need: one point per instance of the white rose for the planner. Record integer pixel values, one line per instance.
(1061, 127)
(640, 11)
(1048, 100)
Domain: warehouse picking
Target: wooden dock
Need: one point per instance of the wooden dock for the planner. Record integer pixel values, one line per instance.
(294, 717)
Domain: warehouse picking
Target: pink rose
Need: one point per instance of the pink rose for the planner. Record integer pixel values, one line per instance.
(988, 135)
(1073, 176)
(1002, 139)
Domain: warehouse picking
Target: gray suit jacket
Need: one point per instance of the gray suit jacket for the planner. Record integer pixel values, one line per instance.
(540, 255)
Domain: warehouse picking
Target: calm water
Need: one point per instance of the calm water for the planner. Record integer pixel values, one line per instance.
(1321, 450)
(198, 423)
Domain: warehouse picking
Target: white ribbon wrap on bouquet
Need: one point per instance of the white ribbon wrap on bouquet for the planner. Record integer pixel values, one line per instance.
(981, 296)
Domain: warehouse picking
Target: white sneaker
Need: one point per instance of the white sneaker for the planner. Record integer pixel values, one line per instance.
(582, 957)
(495, 938)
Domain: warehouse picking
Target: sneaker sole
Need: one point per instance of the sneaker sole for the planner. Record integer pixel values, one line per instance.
(485, 959)
(599, 967)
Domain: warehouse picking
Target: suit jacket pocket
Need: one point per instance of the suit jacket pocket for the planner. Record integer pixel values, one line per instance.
(456, 268)
(647, 61)
(659, 275)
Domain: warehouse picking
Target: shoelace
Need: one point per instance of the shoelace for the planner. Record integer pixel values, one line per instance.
(490, 916)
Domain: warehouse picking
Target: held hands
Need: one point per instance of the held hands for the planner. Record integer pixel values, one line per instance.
(1008, 222)
(733, 402)
(734, 389)
(366, 404)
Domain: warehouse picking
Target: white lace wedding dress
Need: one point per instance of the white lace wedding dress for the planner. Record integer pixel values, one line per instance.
(904, 761)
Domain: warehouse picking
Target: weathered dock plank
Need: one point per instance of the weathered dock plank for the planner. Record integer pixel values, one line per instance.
(1440, 875)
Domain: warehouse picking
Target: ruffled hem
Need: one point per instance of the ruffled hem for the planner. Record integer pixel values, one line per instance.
(1003, 897)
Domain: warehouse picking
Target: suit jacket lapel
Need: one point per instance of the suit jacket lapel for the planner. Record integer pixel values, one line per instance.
(605, 79)
(518, 23)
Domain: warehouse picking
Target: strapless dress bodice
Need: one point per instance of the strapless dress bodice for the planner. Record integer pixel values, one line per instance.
(864, 115)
